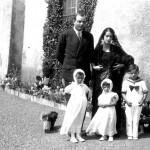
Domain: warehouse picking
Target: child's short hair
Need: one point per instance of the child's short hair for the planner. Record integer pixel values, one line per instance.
(105, 84)
(133, 67)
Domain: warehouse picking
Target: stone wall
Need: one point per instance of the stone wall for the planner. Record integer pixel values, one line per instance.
(35, 15)
(21, 38)
(17, 34)
(5, 29)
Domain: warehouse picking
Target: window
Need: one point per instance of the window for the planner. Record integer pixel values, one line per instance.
(70, 7)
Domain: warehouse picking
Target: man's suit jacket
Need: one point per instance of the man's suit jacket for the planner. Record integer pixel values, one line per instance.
(73, 53)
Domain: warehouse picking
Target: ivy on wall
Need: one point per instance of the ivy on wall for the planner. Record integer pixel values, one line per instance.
(52, 27)
(56, 23)
(89, 7)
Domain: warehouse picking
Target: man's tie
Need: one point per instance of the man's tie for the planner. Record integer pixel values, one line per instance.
(134, 87)
(79, 35)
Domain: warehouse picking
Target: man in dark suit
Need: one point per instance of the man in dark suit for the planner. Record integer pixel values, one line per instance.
(75, 51)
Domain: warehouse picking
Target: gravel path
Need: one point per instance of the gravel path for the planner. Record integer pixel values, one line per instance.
(21, 129)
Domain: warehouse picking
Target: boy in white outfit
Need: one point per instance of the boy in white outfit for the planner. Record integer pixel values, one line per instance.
(134, 92)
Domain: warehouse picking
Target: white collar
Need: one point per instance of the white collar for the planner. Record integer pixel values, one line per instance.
(76, 31)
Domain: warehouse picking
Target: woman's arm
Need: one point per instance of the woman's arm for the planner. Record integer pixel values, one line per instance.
(97, 68)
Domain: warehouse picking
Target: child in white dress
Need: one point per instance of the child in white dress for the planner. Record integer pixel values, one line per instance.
(76, 107)
(104, 121)
(134, 92)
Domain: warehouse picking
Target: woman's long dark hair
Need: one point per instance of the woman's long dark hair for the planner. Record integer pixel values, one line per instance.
(115, 39)
(115, 42)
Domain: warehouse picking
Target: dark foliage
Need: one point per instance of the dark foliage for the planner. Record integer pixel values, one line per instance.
(52, 27)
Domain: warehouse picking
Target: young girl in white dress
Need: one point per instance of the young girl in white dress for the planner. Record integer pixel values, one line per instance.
(104, 121)
(76, 107)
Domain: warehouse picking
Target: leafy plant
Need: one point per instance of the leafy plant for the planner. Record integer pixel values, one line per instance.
(89, 7)
(52, 27)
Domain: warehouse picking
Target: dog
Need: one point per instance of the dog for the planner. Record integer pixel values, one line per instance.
(49, 120)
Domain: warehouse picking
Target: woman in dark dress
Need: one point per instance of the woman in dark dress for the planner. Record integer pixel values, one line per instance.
(111, 61)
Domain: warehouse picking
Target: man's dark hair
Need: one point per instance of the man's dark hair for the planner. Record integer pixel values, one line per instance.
(80, 12)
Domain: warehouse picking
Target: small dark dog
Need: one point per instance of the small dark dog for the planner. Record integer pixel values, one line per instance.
(49, 121)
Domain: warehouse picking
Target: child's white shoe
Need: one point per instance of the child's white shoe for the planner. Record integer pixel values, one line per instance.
(73, 140)
(130, 138)
(135, 138)
(110, 139)
(103, 138)
(80, 139)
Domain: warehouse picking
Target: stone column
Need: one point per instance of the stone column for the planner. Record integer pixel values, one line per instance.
(17, 34)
